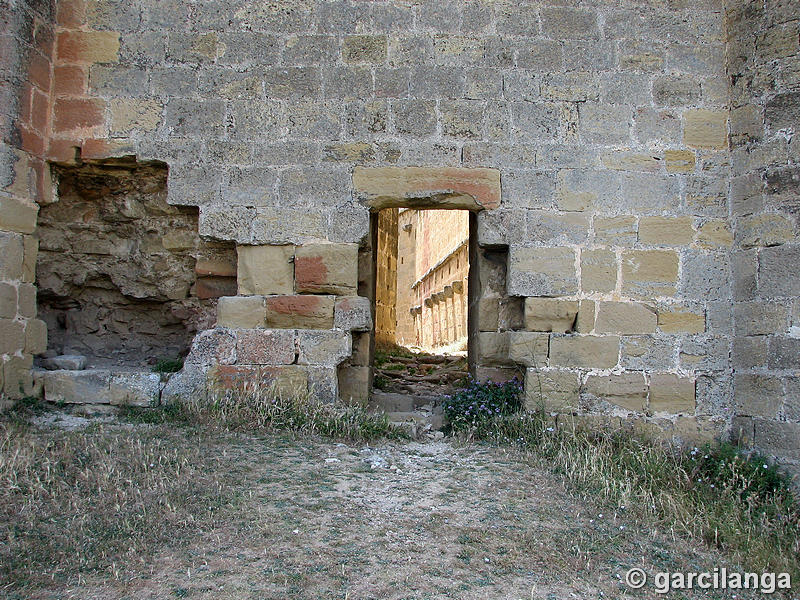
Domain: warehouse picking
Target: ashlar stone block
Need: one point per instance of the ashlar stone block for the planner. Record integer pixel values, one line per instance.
(241, 312)
(625, 318)
(265, 270)
(300, 312)
(671, 393)
(326, 269)
(547, 314)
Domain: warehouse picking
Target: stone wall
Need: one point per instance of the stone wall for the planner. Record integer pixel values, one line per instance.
(623, 212)
(763, 64)
(406, 276)
(26, 47)
(386, 279)
(123, 277)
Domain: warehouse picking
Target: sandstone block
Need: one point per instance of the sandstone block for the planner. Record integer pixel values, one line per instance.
(679, 161)
(300, 312)
(241, 312)
(666, 231)
(212, 346)
(649, 352)
(18, 215)
(496, 374)
(598, 271)
(757, 395)
(35, 336)
(17, 378)
(626, 390)
(493, 348)
(552, 390)
(388, 187)
(30, 253)
(704, 353)
(488, 313)
(584, 351)
(323, 384)
(214, 287)
(615, 231)
(129, 114)
(705, 129)
(265, 346)
(326, 269)
(778, 438)
(625, 318)
(760, 318)
(12, 336)
(215, 268)
(70, 114)
(706, 276)
(328, 348)
(536, 271)
(764, 230)
(528, 348)
(11, 255)
(361, 349)
(88, 47)
(714, 234)
(264, 270)
(671, 393)
(91, 386)
(364, 49)
(189, 383)
(581, 189)
(135, 389)
(649, 273)
(776, 267)
(352, 313)
(784, 353)
(355, 384)
(8, 301)
(284, 380)
(547, 314)
(587, 312)
(26, 300)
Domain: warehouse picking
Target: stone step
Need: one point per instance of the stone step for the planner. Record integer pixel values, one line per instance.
(395, 402)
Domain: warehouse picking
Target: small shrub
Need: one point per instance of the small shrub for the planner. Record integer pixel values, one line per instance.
(168, 365)
(480, 403)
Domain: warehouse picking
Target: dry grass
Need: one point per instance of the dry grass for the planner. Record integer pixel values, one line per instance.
(717, 495)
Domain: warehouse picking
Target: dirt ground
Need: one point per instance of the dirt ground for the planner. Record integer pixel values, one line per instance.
(317, 519)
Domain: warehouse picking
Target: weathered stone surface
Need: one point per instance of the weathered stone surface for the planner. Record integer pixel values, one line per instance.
(625, 318)
(649, 273)
(327, 348)
(649, 352)
(536, 271)
(598, 271)
(387, 187)
(352, 313)
(784, 352)
(212, 346)
(666, 231)
(552, 390)
(587, 311)
(91, 386)
(705, 353)
(354, 384)
(778, 438)
(326, 269)
(299, 312)
(493, 348)
(671, 393)
(584, 351)
(757, 395)
(265, 346)
(35, 336)
(12, 336)
(760, 318)
(11, 254)
(241, 312)
(615, 231)
(66, 362)
(264, 270)
(705, 129)
(764, 230)
(547, 314)
(135, 389)
(773, 266)
(528, 348)
(625, 390)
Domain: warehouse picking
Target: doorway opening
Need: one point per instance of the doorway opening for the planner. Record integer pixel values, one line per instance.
(422, 271)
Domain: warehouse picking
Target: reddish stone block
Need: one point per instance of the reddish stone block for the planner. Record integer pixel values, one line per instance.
(39, 71)
(326, 269)
(71, 13)
(301, 312)
(78, 113)
(96, 149)
(216, 268)
(69, 80)
(25, 103)
(44, 37)
(215, 287)
(32, 142)
(265, 346)
(40, 111)
(63, 151)
(88, 47)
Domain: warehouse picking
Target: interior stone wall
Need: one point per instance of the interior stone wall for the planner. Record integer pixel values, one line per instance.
(123, 277)
(386, 279)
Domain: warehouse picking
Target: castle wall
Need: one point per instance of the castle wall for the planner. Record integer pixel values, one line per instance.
(613, 258)
(763, 64)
